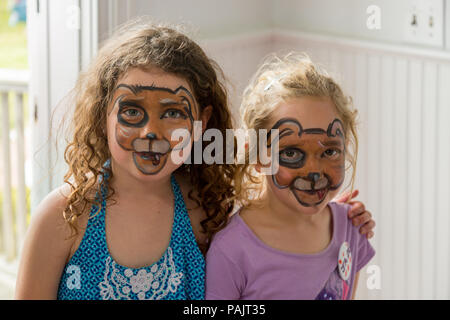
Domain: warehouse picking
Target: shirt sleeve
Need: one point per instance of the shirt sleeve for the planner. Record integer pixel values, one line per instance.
(224, 279)
(365, 252)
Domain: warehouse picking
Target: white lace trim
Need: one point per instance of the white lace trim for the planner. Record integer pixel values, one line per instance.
(116, 286)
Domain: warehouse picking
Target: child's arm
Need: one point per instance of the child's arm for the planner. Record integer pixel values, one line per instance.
(45, 250)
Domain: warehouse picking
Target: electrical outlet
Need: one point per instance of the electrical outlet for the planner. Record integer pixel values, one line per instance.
(424, 23)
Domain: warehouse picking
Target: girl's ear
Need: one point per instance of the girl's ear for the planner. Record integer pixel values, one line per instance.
(205, 116)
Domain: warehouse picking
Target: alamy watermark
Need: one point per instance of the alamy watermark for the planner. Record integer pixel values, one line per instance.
(251, 147)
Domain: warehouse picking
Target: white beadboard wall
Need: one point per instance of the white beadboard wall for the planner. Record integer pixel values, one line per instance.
(239, 57)
(403, 174)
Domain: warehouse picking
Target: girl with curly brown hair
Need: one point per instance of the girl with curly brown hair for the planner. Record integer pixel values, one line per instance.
(129, 222)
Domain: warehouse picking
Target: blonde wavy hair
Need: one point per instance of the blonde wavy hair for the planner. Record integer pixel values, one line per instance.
(145, 44)
(279, 78)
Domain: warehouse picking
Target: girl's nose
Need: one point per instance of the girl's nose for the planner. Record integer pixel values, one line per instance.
(313, 176)
(151, 130)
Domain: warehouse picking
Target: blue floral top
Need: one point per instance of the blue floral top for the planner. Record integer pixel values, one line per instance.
(92, 274)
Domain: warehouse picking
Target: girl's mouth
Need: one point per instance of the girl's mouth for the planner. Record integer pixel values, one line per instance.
(155, 157)
(320, 193)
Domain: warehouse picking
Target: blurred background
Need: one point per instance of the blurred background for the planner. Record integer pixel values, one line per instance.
(392, 57)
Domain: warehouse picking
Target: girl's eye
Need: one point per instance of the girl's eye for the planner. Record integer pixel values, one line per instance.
(132, 112)
(291, 155)
(332, 153)
(173, 114)
(132, 115)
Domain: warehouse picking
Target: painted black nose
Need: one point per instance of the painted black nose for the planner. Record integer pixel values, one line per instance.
(151, 135)
(313, 176)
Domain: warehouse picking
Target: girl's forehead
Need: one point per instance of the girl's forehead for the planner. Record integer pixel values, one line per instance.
(153, 77)
(153, 85)
(310, 112)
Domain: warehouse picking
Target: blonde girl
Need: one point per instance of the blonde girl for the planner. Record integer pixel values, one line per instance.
(290, 240)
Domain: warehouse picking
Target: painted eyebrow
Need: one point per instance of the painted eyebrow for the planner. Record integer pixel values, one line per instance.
(125, 86)
(331, 143)
(119, 98)
(124, 99)
(285, 132)
(170, 102)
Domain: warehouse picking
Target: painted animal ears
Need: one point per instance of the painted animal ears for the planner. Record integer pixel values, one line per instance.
(336, 128)
(292, 123)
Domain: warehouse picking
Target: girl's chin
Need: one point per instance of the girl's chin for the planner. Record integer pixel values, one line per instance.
(311, 209)
(145, 172)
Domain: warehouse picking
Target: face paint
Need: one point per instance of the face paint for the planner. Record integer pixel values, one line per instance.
(314, 158)
(146, 118)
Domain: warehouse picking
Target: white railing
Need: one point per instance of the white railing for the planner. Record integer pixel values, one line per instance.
(13, 154)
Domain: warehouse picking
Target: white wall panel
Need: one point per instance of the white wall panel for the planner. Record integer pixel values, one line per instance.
(360, 102)
(429, 173)
(386, 182)
(413, 161)
(442, 222)
(399, 214)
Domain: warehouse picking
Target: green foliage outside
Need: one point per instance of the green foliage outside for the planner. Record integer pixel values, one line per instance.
(13, 55)
(13, 41)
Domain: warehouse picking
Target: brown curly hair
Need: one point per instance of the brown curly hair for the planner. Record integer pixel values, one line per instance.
(144, 44)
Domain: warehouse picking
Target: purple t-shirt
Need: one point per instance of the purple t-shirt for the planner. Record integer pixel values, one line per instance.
(240, 266)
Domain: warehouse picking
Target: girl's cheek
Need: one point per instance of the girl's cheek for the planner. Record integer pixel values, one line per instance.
(282, 194)
(117, 152)
(285, 176)
(274, 190)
